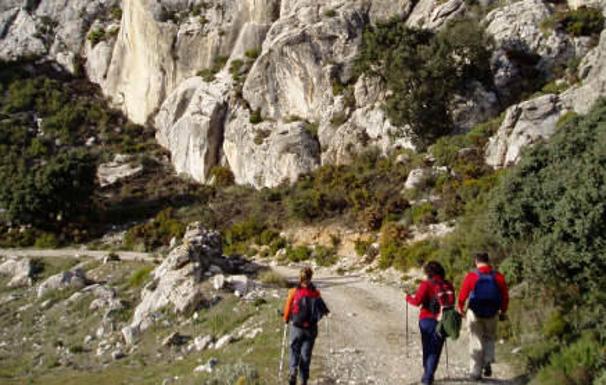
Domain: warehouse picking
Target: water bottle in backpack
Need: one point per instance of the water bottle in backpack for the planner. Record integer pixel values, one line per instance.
(485, 299)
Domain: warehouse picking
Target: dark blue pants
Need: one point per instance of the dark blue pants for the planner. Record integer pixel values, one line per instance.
(432, 348)
(301, 345)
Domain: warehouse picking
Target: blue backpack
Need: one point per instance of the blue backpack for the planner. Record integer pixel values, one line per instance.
(485, 299)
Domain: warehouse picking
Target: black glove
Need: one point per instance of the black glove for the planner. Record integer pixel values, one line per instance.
(503, 317)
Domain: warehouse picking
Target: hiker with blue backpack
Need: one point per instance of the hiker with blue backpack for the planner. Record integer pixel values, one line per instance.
(487, 296)
(436, 297)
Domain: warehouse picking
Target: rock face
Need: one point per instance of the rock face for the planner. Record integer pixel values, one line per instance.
(267, 154)
(161, 43)
(190, 125)
(524, 48)
(176, 282)
(277, 108)
(118, 169)
(20, 271)
(537, 118)
(524, 124)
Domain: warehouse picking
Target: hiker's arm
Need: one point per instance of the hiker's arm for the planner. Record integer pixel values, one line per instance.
(288, 305)
(466, 288)
(504, 290)
(419, 296)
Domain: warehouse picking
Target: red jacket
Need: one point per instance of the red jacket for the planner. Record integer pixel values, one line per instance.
(469, 284)
(422, 298)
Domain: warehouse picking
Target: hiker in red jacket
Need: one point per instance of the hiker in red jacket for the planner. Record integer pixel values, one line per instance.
(488, 297)
(429, 296)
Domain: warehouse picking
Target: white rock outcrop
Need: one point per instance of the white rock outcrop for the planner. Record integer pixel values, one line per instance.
(75, 279)
(120, 168)
(177, 281)
(536, 119)
(19, 269)
(267, 154)
(190, 125)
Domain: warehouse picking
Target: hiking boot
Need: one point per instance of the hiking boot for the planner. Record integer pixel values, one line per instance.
(488, 370)
(292, 380)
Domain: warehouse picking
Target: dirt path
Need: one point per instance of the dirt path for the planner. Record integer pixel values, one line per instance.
(76, 253)
(366, 340)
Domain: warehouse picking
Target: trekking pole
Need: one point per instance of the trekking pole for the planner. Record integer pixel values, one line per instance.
(447, 365)
(406, 342)
(281, 369)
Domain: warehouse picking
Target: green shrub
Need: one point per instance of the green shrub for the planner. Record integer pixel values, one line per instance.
(298, 254)
(392, 241)
(361, 246)
(155, 233)
(252, 53)
(537, 354)
(424, 214)
(420, 69)
(222, 176)
(325, 256)
(583, 21)
(207, 74)
(96, 36)
(140, 277)
(256, 117)
(575, 364)
(46, 241)
(551, 206)
(116, 13)
(555, 325)
(272, 278)
(330, 13)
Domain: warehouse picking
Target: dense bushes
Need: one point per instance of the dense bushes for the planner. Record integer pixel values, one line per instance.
(424, 70)
(155, 233)
(549, 215)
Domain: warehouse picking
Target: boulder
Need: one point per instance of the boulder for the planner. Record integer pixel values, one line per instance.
(190, 125)
(19, 36)
(223, 342)
(176, 282)
(201, 343)
(219, 281)
(267, 154)
(434, 14)
(122, 167)
(524, 124)
(240, 283)
(19, 269)
(75, 279)
(418, 178)
(208, 367)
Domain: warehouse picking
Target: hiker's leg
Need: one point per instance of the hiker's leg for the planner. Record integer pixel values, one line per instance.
(306, 352)
(425, 341)
(295, 350)
(432, 348)
(476, 354)
(490, 336)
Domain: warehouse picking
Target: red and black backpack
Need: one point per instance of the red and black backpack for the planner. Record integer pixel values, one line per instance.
(443, 296)
(307, 307)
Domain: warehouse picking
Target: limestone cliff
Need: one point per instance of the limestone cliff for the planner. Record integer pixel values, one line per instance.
(265, 104)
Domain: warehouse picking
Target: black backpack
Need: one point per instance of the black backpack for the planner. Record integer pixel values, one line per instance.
(308, 308)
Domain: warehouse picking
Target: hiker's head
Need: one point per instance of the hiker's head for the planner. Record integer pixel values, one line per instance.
(433, 268)
(305, 276)
(481, 258)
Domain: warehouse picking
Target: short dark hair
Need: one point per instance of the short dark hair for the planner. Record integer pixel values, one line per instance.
(433, 268)
(481, 257)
